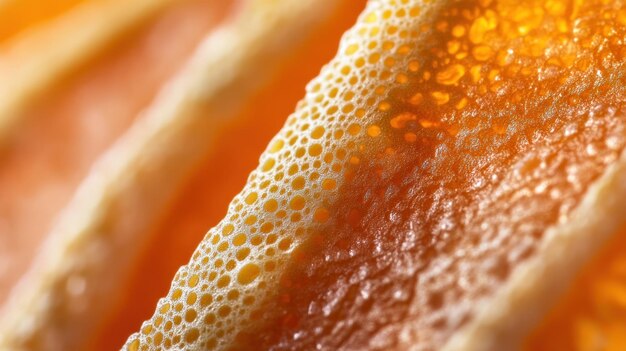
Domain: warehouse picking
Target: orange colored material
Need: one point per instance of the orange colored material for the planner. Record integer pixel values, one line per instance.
(592, 314)
(19, 15)
(204, 198)
(422, 167)
(64, 133)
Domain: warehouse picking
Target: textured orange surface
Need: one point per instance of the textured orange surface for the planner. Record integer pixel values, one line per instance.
(423, 165)
(204, 198)
(464, 172)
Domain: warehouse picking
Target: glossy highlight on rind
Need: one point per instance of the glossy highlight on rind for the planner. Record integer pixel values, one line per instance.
(454, 134)
(89, 251)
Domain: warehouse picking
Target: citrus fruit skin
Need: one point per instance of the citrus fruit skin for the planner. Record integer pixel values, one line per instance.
(37, 58)
(424, 165)
(506, 320)
(85, 264)
(439, 186)
(78, 119)
(60, 137)
(204, 196)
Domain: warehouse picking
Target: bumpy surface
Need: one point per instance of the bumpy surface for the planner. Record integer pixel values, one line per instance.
(423, 165)
(205, 196)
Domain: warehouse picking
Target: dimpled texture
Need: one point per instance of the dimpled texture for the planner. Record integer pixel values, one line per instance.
(423, 165)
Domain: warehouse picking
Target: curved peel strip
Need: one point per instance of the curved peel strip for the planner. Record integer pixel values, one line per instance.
(204, 197)
(509, 317)
(61, 134)
(91, 247)
(422, 168)
(38, 57)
